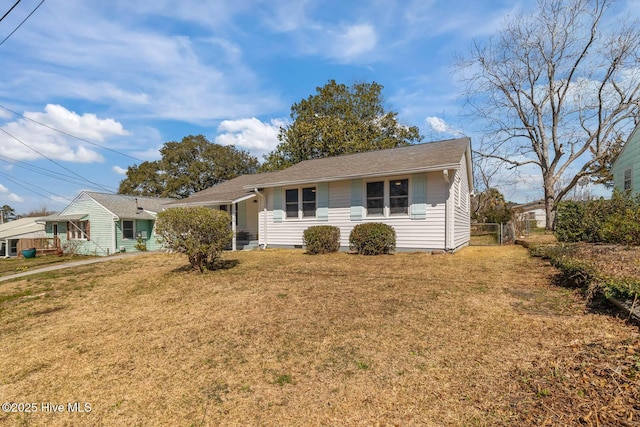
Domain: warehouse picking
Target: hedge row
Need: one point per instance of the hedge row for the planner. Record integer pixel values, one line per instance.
(616, 220)
(580, 273)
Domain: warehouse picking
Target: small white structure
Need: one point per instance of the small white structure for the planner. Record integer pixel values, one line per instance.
(11, 232)
(533, 212)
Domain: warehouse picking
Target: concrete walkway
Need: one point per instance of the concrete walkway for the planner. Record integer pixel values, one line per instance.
(70, 264)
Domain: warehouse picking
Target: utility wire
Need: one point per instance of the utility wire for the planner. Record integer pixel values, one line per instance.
(31, 190)
(43, 171)
(9, 11)
(23, 21)
(54, 162)
(68, 134)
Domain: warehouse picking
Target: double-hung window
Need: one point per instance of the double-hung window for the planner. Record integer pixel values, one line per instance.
(127, 229)
(78, 230)
(300, 202)
(627, 179)
(387, 198)
(375, 198)
(399, 196)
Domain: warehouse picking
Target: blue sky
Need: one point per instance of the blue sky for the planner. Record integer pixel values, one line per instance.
(129, 76)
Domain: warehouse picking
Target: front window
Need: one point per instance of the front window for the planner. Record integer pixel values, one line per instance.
(127, 230)
(300, 202)
(627, 179)
(78, 230)
(399, 196)
(375, 198)
(309, 201)
(291, 201)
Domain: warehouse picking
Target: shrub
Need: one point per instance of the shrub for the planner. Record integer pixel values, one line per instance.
(321, 239)
(570, 222)
(372, 238)
(199, 232)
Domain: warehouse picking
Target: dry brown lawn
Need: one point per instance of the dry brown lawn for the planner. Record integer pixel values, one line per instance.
(278, 337)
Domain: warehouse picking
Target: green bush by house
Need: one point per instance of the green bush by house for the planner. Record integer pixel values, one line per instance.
(199, 232)
(321, 239)
(373, 238)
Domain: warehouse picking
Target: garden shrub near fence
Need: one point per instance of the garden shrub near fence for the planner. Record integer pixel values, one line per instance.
(600, 221)
(373, 238)
(321, 239)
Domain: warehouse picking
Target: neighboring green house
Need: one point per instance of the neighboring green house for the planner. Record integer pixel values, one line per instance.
(626, 167)
(103, 224)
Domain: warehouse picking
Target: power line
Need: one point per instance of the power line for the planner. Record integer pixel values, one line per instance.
(9, 11)
(69, 134)
(23, 21)
(54, 162)
(43, 171)
(6, 176)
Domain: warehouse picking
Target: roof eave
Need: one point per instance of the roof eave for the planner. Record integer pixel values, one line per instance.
(438, 168)
(211, 202)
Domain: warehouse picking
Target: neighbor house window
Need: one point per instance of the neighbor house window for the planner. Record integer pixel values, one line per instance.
(78, 230)
(127, 229)
(385, 198)
(375, 198)
(627, 179)
(300, 202)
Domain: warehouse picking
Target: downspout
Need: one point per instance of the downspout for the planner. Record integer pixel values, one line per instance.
(234, 244)
(264, 227)
(447, 212)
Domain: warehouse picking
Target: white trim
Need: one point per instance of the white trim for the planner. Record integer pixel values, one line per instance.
(300, 216)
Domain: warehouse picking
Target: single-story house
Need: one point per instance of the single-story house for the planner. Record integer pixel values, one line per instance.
(626, 175)
(421, 190)
(532, 211)
(103, 224)
(12, 232)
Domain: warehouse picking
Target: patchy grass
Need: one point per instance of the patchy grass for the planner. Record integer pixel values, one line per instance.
(14, 265)
(283, 338)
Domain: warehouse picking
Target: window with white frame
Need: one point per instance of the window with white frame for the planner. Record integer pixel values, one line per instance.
(627, 179)
(300, 202)
(375, 198)
(78, 230)
(387, 198)
(128, 231)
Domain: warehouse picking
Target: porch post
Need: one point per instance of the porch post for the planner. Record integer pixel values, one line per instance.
(233, 226)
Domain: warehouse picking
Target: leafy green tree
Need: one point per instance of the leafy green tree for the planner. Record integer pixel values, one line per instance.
(186, 167)
(199, 232)
(7, 213)
(490, 206)
(338, 120)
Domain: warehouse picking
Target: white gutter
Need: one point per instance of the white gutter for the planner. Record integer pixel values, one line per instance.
(264, 199)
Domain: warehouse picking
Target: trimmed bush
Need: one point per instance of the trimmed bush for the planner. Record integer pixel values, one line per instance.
(372, 238)
(199, 232)
(321, 239)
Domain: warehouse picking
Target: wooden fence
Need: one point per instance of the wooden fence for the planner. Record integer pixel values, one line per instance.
(43, 245)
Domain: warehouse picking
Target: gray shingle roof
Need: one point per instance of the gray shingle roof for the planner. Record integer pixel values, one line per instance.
(125, 206)
(411, 159)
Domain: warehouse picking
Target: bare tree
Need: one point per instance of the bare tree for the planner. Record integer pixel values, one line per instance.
(555, 90)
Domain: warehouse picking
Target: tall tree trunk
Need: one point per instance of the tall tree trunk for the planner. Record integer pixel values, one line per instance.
(549, 205)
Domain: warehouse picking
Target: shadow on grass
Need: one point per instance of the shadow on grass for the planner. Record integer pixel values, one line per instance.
(225, 264)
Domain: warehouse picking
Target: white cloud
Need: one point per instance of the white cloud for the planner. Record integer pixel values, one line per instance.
(250, 134)
(440, 126)
(12, 197)
(353, 42)
(119, 170)
(16, 137)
